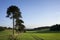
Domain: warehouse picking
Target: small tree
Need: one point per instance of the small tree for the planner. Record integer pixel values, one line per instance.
(20, 27)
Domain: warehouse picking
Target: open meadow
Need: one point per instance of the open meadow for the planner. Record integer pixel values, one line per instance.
(4, 35)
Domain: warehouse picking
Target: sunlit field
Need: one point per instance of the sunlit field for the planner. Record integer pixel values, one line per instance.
(4, 35)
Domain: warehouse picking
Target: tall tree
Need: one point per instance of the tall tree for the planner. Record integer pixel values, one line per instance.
(13, 12)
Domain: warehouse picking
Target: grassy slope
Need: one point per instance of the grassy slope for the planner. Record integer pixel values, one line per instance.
(31, 36)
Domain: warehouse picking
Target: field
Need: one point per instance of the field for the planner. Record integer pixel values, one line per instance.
(31, 36)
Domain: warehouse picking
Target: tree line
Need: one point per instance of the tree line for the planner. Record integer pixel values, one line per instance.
(55, 27)
(2, 28)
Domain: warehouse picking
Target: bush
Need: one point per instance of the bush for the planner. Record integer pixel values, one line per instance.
(2, 28)
(12, 37)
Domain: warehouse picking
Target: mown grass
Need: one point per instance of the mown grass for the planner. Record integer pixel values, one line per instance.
(30, 36)
(4, 35)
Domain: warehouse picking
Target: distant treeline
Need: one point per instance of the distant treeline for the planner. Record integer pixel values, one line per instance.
(55, 27)
(4, 28)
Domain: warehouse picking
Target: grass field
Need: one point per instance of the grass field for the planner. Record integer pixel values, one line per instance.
(31, 36)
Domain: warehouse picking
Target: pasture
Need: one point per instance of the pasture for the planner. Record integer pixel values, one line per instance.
(30, 36)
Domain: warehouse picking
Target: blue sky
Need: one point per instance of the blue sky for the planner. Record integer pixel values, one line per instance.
(35, 13)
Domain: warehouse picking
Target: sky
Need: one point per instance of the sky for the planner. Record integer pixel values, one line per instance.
(35, 13)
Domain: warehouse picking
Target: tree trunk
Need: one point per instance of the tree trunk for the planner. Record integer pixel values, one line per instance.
(13, 26)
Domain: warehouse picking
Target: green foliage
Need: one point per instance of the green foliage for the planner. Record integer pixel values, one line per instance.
(13, 12)
(20, 27)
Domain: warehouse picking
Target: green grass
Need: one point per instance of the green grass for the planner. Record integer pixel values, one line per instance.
(31, 36)
(5, 34)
